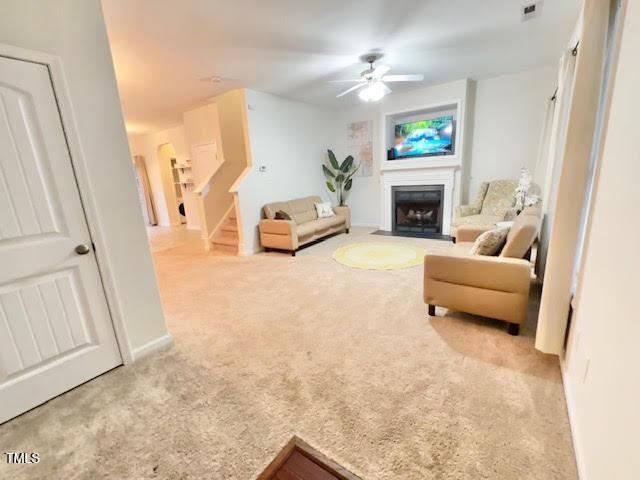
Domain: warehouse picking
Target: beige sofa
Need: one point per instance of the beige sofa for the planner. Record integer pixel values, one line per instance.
(496, 287)
(304, 226)
(494, 203)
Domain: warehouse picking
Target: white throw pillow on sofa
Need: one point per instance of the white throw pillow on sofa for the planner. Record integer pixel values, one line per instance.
(324, 210)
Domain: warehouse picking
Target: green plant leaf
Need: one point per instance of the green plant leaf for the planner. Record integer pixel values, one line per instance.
(346, 165)
(355, 170)
(339, 178)
(331, 187)
(332, 160)
(328, 172)
(347, 186)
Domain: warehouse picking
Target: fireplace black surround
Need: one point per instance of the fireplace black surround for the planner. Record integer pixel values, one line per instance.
(417, 210)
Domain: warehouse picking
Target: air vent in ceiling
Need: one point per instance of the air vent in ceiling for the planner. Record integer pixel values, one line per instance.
(531, 10)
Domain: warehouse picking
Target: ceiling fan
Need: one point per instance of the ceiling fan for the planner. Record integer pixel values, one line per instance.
(373, 80)
(217, 79)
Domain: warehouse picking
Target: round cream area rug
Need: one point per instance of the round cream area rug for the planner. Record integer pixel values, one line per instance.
(380, 256)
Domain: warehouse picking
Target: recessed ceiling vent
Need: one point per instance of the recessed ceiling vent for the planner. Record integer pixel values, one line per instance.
(531, 10)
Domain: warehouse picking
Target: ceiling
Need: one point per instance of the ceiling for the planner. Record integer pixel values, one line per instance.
(162, 49)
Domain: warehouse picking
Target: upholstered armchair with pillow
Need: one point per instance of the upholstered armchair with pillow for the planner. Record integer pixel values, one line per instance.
(494, 203)
(495, 286)
(292, 224)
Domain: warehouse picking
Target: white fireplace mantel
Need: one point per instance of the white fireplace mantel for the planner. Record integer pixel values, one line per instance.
(404, 178)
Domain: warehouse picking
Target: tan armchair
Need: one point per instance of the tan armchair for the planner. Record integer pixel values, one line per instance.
(304, 226)
(494, 203)
(496, 287)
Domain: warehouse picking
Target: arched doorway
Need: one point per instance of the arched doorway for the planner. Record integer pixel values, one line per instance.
(173, 193)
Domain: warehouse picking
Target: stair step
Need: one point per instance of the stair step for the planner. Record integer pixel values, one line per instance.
(232, 216)
(226, 239)
(229, 227)
(225, 248)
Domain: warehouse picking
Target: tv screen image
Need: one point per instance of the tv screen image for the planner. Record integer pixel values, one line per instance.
(424, 138)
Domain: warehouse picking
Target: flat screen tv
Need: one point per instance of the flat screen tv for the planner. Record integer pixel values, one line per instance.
(424, 138)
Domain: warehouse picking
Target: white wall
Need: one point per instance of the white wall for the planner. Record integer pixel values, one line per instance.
(601, 375)
(290, 139)
(201, 126)
(508, 121)
(364, 196)
(74, 30)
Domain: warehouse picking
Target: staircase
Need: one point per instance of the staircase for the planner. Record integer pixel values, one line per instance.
(226, 237)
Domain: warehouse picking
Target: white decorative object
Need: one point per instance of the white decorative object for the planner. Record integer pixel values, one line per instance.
(524, 184)
(360, 146)
(324, 210)
(532, 200)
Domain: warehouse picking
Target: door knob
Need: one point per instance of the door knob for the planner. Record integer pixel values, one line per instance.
(83, 249)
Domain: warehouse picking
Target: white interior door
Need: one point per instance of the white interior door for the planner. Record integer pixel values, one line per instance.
(55, 327)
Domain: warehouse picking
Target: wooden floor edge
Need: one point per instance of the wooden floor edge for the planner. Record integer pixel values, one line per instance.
(296, 443)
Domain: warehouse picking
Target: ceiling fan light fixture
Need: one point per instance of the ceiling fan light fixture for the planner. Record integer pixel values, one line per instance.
(372, 92)
(372, 84)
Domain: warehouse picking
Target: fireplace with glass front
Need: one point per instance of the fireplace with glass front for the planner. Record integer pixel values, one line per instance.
(417, 210)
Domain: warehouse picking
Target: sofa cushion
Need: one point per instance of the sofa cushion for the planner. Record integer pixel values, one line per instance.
(489, 243)
(301, 210)
(324, 224)
(521, 235)
(481, 220)
(306, 229)
(270, 209)
(304, 209)
(499, 198)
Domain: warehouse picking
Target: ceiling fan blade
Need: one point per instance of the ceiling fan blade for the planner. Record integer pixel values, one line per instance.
(403, 78)
(355, 87)
(349, 80)
(217, 79)
(385, 89)
(380, 71)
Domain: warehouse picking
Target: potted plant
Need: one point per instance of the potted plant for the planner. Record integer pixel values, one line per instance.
(339, 176)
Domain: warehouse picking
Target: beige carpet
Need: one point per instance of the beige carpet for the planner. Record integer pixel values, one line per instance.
(270, 346)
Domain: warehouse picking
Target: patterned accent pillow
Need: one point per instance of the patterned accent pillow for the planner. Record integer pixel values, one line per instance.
(324, 210)
(490, 242)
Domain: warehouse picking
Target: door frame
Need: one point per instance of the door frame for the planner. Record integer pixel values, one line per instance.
(62, 95)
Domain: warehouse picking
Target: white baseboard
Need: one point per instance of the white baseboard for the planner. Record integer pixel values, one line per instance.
(572, 423)
(247, 252)
(155, 345)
